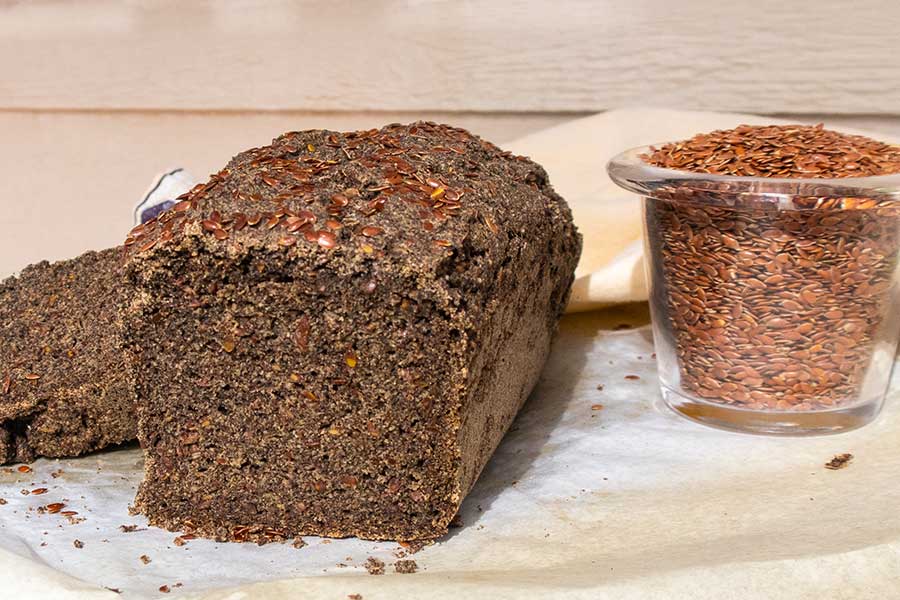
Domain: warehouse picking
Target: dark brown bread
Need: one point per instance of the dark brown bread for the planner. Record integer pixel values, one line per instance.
(64, 388)
(335, 332)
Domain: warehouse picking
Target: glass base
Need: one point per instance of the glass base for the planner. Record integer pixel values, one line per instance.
(732, 418)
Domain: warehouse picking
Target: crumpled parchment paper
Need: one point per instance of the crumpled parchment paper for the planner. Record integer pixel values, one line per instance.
(595, 493)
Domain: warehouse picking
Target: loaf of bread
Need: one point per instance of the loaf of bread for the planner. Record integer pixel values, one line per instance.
(64, 387)
(333, 334)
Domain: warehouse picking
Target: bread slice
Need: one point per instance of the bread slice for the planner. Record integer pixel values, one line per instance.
(64, 387)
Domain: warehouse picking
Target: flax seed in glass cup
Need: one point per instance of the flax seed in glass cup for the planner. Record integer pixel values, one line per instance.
(772, 259)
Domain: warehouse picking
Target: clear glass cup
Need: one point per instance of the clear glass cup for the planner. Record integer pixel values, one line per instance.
(774, 301)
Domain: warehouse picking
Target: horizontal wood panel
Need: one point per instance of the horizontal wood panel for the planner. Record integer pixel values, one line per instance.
(504, 55)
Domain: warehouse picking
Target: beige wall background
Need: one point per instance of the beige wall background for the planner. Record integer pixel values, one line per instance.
(98, 96)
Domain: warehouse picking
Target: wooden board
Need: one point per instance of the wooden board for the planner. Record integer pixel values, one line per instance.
(503, 55)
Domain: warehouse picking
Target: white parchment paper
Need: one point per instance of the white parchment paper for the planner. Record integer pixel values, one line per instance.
(624, 501)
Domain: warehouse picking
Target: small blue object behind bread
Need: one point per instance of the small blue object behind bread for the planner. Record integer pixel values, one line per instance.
(161, 195)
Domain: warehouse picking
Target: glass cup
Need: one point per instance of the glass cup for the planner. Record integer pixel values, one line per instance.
(774, 301)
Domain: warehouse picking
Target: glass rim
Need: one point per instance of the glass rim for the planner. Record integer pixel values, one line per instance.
(630, 172)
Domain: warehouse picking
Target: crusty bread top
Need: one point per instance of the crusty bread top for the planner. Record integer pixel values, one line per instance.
(419, 190)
